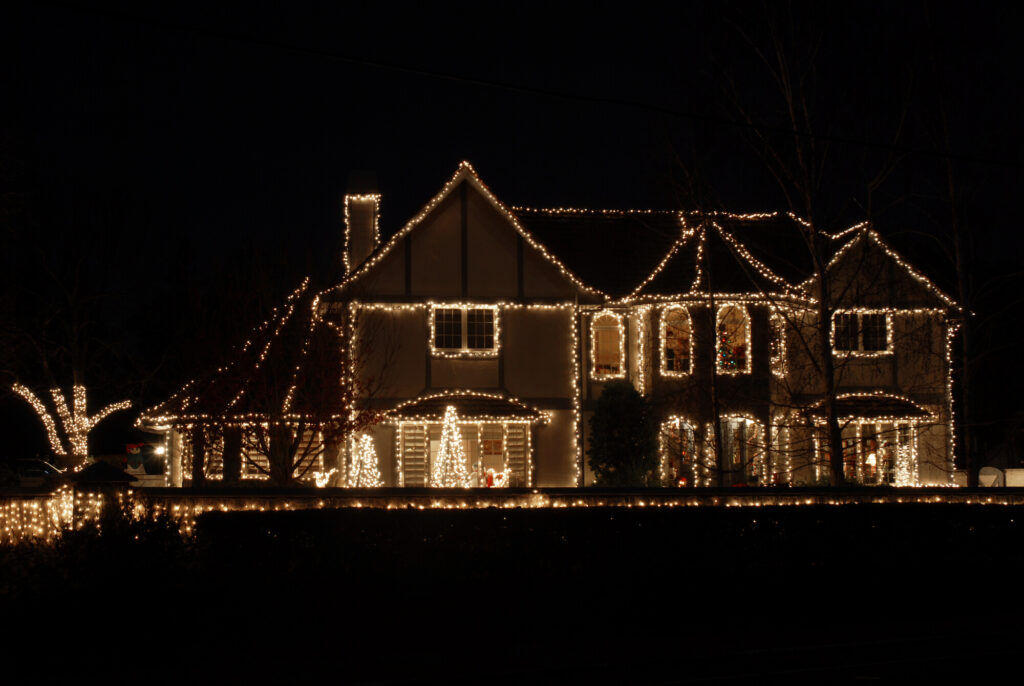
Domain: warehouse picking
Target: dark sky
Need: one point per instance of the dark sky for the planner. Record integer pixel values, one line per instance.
(189, 158)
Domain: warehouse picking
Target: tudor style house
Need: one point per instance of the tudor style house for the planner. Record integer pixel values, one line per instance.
(516, 318)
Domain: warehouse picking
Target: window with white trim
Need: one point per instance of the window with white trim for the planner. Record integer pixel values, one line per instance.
(464, 331)
(733, 348)
(607, 355)
(679, 454)
(675, 341)
(867, 333)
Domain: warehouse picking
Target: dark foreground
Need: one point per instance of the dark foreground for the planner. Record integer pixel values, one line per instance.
(890, 593)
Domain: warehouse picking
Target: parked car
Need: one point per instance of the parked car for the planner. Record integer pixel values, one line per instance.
(33, 473)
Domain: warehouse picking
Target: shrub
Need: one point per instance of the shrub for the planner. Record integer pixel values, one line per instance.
(623, 438)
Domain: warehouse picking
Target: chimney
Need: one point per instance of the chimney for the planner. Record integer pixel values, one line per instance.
(362, 210)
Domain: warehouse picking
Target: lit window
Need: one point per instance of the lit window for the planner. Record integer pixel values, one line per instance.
(464, 331)
(743, 448)
(679, 465)
(873, 453)
(733, 340)
(607, 355)
(675, 342)
(861, 333)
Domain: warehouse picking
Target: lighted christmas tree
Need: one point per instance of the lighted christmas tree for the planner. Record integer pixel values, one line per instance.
(365, 471)
(905, 467)
(727, 358)
(449, 469)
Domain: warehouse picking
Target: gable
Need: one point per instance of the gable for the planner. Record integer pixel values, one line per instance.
(465, 244)
(866, 272)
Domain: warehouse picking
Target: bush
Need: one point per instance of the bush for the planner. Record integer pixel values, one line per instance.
(623, 438)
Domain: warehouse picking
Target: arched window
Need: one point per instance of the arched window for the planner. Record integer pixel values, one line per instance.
(675, 341)
(607, 357)
(733, 346)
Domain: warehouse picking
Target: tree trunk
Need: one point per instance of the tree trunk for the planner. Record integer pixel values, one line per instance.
(716, 410)
(833, 434)
(232, 455)
(280, 456)
(198, 456)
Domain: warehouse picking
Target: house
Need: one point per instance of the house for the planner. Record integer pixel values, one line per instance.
(511, 320)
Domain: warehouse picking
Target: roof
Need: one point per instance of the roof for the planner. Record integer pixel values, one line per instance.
(775, 239)
(659, 254)
(291, 366)
(713, 258)
(610, 250)
(877, 406)
(469, 406)
(464, 174)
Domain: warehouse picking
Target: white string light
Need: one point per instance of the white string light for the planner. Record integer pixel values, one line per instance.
(76, 424)
(365, 469)
(449, 468)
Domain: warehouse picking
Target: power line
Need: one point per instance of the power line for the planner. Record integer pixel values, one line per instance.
(527, 90)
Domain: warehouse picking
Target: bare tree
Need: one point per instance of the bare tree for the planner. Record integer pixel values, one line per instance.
(797, 155)
(55, 338)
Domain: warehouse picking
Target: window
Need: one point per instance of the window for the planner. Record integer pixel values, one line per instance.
(733, 340)
(679, 464)
(464, 331)
(861, 333)
(742, 448)
(874, 452)
(675, 342)
(607, 357)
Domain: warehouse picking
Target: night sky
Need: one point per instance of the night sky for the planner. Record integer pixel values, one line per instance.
(187, 160)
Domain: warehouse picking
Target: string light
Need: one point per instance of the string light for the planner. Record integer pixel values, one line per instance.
(449, 468)
(734, 353)
(682, 315)
(373, 198)
(465, 172)
(777, 344)
(365, 470)
(570, 309)
(321, 479)
(596, 371)
(43, 518)
(76, 423)
(465, 351)
(732, 359)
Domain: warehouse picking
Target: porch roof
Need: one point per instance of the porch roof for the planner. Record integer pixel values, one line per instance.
(876, 406)
(469, 406)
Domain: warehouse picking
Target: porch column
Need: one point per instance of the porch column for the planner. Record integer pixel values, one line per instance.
(174, 458)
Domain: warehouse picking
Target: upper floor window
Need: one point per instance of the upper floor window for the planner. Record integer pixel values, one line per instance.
(862, 333)
(675, 341)
(464, 331)
(733, 349)
(607, 355)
